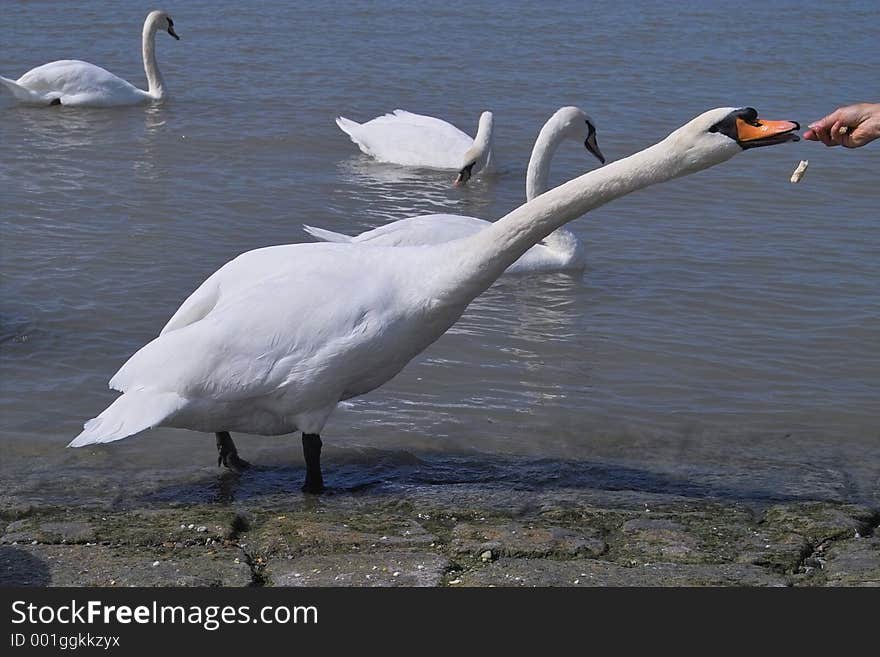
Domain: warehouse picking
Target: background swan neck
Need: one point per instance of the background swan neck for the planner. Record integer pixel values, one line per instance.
(538, 172)
(482, 148)
(481, 259)
(484, 134)
(156, 85)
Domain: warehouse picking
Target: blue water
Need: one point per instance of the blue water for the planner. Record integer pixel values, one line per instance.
(724, 334)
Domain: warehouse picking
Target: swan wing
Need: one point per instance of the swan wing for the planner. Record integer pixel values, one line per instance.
(413, 231)
(561, 251)
(409, 139)
(196, 306)
(24, 95)
(424, 229)
(325, 235)
(80, 83)
(278, 321)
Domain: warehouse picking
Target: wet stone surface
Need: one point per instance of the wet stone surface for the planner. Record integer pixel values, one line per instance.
(547, 572)
(444, 536)
(97, 565)
(368, 569)
(528, 540)
(855, 562)
(27, 530)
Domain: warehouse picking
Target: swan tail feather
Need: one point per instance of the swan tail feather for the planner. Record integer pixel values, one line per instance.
(327, 235)
(131, 413)
(23, 94)
(354, 131)
(347, 125)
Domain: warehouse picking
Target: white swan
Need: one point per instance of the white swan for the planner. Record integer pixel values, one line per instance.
(276, 338)
(72, 82)
(559, 251)
(415, 140)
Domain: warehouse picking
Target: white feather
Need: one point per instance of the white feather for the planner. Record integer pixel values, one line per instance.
(327, 235)
(130, 414)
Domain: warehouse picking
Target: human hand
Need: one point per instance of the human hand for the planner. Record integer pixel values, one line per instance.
(851, 126)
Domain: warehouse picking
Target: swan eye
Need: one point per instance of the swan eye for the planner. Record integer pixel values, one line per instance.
(714, 128)
(750, 116)
(591, 129)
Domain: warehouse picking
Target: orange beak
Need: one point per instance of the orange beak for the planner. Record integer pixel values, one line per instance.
(765, 132)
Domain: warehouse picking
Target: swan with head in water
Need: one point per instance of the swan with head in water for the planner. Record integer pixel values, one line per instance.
(276, 338)
(415, 140)
(75, 83)
(561, 250)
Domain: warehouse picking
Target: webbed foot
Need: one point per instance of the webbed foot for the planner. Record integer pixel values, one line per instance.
(227, 455)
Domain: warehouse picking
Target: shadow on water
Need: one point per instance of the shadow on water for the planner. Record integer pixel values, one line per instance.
(396, 473)
(20, 568)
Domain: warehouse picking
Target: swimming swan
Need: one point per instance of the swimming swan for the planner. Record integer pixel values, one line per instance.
(72, 82)
(277, 337)
(415, 140)
(561, 250)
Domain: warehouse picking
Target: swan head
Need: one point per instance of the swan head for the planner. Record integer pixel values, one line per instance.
(160, 20)
(479, 152)
(575, 123)
(719, 134)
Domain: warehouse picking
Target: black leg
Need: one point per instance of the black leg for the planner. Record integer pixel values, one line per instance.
(312, 453)
(227, 454)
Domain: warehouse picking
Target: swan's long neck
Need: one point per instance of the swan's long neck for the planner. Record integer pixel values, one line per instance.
(482, 147)
(538, 173)
(474, 263)
(156, 87)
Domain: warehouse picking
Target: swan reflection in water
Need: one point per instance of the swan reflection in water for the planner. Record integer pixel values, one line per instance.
(60, 142)
(389, 192)
(56, 144)
(524, 313)
(145, 167)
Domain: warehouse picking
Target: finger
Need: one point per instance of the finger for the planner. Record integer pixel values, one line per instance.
(810, 135)
(824, 137)
(852, 139)
(835, 133)
(816, 128)
(825, 122)
(823, 125)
